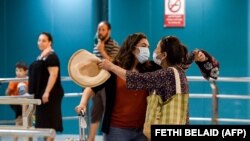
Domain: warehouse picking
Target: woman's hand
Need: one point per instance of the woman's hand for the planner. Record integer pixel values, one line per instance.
(199, 56)
(106, 64)
(79, 108)
(45, 98)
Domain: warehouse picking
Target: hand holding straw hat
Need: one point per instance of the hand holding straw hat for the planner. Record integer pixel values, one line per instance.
(83, 69)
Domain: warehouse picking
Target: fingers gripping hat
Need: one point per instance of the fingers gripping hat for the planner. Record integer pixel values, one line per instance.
(84, 71)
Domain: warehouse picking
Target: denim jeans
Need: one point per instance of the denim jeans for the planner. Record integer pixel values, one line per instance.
(124, 134)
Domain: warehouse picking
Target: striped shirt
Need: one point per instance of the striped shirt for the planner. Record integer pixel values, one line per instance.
(111, 48)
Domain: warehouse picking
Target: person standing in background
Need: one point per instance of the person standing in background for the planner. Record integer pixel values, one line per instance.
(45, 84)
(104, 48)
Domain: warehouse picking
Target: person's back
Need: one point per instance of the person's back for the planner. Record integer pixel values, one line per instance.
(18, 88)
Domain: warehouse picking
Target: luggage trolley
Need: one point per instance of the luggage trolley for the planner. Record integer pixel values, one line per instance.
(82, 127)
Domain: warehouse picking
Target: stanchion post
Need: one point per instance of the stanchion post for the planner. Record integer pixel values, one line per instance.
(27, 113)
(215, 104)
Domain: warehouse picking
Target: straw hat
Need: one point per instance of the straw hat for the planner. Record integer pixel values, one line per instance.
(84, 71)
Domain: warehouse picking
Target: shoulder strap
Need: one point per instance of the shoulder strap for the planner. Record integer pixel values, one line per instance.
(177, 80)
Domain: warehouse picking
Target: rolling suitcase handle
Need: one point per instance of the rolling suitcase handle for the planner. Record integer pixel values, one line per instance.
(82, 126)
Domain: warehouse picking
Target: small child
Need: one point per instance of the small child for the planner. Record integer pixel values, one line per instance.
(18, 88)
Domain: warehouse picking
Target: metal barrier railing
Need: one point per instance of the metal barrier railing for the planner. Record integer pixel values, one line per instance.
(25, 102)
(26, 130)
(214, 96)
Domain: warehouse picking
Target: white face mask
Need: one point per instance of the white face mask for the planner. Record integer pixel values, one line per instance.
(143, 55)
(156, 60)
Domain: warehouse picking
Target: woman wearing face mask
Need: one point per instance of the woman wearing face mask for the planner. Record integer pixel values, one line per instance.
(125, 109)
(171, 55)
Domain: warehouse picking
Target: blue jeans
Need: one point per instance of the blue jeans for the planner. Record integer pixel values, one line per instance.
(124, 134)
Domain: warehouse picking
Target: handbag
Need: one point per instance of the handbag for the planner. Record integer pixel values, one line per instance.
(170, 112)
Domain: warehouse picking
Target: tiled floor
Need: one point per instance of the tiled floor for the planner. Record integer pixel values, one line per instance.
(64, 137)
(75, 137)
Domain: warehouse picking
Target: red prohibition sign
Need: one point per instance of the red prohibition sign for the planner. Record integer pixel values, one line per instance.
(174, 5)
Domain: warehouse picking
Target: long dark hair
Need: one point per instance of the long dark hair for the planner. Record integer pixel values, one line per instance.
(176, 51)
(125, 57)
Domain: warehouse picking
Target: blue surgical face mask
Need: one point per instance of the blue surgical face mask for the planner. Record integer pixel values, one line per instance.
(143, 55)
(156, 60)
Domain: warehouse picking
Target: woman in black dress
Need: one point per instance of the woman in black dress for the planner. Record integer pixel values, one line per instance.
(45, 84)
